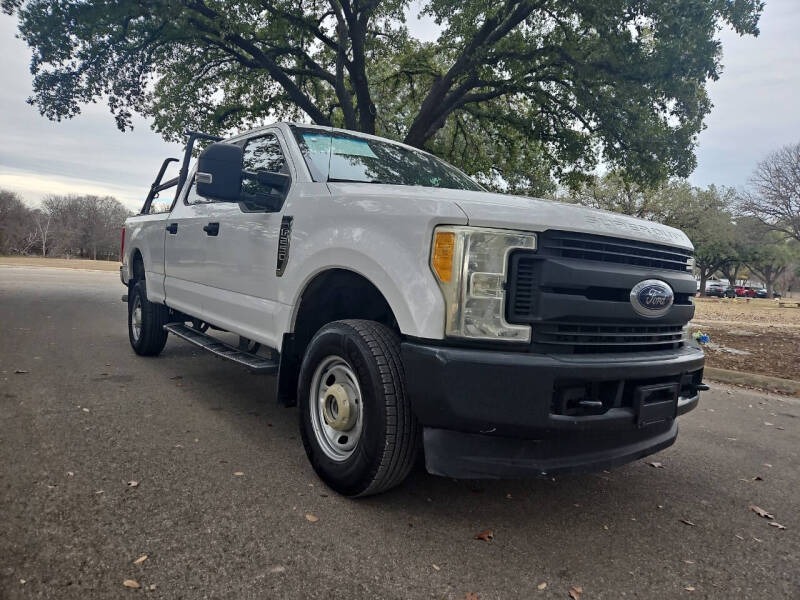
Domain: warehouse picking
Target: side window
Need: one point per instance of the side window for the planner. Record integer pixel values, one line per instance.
(263, 153)
(162, 204)
(192, 197)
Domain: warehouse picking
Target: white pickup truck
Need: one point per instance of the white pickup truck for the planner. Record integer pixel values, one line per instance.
(406, 309)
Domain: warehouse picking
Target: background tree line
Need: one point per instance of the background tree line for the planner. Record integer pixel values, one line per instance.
(65, 226)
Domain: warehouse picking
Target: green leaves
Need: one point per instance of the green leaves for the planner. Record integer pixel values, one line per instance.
(520, 93)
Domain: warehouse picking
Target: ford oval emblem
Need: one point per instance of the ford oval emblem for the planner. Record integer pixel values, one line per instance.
(651, 298)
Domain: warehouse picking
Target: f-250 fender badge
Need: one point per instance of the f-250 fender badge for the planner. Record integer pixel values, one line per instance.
(284, 241)
(652, 298)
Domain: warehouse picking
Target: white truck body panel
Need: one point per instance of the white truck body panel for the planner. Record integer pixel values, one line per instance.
(382, 232)
(146, 233)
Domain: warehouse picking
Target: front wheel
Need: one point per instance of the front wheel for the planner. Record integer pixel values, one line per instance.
(355, 419)
(146, 322)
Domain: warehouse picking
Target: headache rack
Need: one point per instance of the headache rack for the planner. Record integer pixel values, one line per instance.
(176, 182)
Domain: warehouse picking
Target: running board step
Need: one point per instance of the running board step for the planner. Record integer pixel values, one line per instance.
(259, 364)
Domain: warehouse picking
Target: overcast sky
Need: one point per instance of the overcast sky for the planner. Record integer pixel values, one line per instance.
(755, 111)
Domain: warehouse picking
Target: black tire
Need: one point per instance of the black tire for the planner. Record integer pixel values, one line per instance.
(151, 338)
(389, 438)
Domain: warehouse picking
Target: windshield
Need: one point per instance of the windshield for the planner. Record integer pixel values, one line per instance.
(336, 156)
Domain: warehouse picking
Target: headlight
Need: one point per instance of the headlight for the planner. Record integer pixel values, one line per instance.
(470, 266)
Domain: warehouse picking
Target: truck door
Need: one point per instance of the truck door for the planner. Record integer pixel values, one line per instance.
(230, 253)
(184, 251)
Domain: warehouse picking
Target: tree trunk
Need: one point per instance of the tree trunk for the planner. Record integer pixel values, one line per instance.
(731, 272)
(703, 279)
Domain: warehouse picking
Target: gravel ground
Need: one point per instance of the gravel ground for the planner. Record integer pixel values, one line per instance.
(224, 489)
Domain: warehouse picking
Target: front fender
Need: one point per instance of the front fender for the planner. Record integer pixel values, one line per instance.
(397, 265)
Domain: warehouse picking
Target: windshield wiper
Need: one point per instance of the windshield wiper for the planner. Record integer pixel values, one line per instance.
(337, 180)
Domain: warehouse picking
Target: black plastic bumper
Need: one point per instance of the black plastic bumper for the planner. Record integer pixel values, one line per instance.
(490, 413)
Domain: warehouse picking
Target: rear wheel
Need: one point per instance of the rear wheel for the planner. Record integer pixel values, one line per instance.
(146, 322)
(355, 419)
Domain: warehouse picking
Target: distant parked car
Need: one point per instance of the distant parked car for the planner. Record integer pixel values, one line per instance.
(715, 288)
(730, 291)
(762, 293)
(740, 291)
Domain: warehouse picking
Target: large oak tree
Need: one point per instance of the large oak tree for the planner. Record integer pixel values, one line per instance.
(512, 90)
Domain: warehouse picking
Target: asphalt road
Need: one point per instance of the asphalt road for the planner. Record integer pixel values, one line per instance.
(88, 416)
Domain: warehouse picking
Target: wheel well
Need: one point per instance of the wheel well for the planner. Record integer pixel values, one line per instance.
(138, 265)
(331, 296)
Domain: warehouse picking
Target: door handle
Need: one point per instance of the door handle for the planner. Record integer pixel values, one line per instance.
(172, 228)
(211, 229)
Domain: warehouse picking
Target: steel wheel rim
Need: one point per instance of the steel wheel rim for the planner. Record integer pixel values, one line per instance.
(336, 408)
(136, 318)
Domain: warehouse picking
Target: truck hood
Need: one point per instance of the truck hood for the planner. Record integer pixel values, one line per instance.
(532, 214)
(486, 209)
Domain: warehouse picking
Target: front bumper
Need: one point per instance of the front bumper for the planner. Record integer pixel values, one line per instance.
(490, 413)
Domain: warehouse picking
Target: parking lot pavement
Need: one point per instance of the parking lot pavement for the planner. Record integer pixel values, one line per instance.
(224, 489)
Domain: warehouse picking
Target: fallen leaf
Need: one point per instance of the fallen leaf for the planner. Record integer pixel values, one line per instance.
(760, 512)
(70, 473)
(739, 537)
(22, 581)
(133, 484)
(768, 424)
(758, 540)
(776, 524)
(656, 465)
(278, 569)
(140, 560)
(769, 466)
(312, 518)
(20, 371)
(85, 409)
(688, 562)
(152, 587)
(486, 536)
(689, 588)
(471, 596)
(687, 522)
(239, 473)
(758, 478)
(130, 583)
(542, 586)
(575, 592)
(436, 567)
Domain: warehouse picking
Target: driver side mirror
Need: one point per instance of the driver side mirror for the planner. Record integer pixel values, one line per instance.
(219, 172)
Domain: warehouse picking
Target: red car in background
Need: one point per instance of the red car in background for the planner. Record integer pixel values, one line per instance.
(740, 291)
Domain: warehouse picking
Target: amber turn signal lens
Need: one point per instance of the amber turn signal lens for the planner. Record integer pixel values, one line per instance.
(443, 248)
